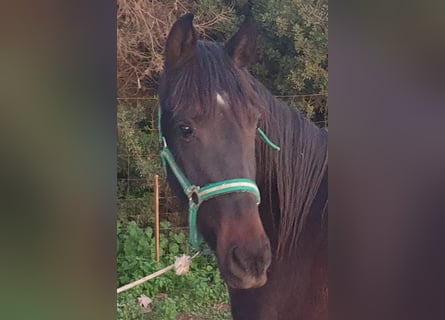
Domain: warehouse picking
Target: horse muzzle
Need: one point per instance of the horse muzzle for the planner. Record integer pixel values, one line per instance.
(244, 265)
(247, 268)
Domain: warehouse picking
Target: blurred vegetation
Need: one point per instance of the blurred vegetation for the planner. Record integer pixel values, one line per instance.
(293, 46)
(292, 42)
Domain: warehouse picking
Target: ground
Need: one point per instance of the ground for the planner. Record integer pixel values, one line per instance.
(222, 307)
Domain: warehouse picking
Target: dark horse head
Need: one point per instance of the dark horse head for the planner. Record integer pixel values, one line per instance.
(209, 119)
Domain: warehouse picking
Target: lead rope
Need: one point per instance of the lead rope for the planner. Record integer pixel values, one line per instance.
(181, 267)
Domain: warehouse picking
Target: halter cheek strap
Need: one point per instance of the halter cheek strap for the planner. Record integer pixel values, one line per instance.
(267, 140)
(197, 194)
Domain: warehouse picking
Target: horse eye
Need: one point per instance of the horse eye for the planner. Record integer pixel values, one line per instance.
(186, 131)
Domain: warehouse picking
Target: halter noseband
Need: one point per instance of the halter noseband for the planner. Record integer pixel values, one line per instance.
(197, 194)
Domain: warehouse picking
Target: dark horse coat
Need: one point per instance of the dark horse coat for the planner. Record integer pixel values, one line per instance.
(273, 257)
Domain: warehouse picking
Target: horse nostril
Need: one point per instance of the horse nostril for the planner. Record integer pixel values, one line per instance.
(237, 260)
(254, 263)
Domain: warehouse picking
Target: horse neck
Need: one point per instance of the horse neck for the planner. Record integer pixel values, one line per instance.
(292, 181)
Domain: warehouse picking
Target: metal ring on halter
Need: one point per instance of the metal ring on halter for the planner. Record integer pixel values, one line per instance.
(194, 195)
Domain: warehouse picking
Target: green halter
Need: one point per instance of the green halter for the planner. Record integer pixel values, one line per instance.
(196, 194)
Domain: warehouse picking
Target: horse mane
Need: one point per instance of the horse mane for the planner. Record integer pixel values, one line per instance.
(195, 85)
(294, 175)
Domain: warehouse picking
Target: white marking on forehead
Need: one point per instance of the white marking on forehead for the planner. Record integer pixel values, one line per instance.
(220, 99)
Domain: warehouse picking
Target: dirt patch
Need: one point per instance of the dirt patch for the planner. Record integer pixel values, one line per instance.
(225, 307)
(220, 307)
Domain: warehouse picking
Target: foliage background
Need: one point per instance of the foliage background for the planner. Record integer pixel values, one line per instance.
(291, 62)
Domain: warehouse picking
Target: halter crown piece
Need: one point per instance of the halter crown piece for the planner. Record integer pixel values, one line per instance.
(198, 194)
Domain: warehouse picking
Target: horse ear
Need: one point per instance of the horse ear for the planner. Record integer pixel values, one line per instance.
(241, 47)
(181, 42)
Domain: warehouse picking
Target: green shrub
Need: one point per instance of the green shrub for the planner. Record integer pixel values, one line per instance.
(196, 293)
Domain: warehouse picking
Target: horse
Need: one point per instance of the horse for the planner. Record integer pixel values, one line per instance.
(252, 172)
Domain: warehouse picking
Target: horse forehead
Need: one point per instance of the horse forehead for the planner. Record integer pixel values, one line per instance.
(221, 98)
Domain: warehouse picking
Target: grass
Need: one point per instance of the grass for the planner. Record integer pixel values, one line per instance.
(200, 294)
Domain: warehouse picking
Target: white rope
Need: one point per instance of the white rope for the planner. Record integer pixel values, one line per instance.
(181, 266)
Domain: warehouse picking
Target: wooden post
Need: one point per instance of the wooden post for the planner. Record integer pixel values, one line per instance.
(157, 217)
